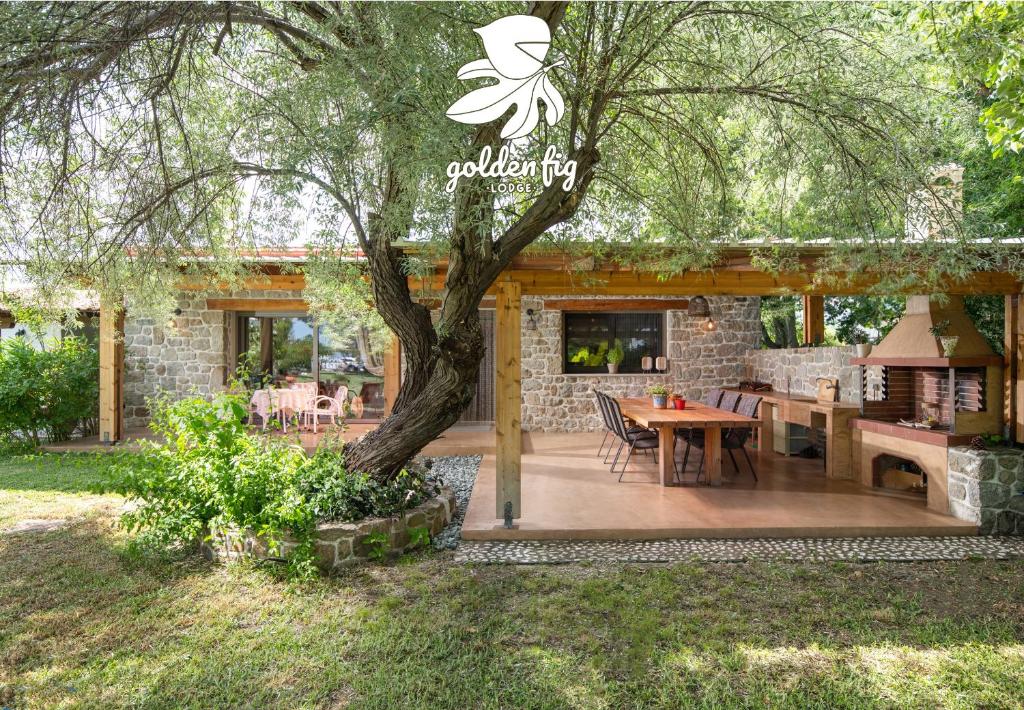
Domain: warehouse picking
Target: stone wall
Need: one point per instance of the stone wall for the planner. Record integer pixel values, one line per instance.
(186, 354)
(987, 488)
(191, 357)
(343, 544)
(802, 367)
(698, 360)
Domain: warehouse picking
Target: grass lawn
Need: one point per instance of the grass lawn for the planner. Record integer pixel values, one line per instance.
(50, 487)
(86, 623)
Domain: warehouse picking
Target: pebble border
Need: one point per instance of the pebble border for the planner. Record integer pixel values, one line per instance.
(845, 549)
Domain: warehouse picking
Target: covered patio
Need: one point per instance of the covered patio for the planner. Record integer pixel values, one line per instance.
(569, 494)
(540, 436)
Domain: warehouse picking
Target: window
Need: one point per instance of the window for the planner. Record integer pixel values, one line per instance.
(284, 349)
(588, 337)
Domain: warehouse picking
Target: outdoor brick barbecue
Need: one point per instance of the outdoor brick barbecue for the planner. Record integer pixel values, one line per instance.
(917, 401)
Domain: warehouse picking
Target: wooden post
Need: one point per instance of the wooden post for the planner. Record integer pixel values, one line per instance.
(1013, 369)
(814, 319)
(267, 346)
(232, 337)
(392, 374)
(111, 373)
(508, 397)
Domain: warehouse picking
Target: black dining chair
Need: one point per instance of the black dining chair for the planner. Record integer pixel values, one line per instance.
(634, 437)
(603, 411)
(608, 414)
(735, 438)
(726, 400)
(729, 402)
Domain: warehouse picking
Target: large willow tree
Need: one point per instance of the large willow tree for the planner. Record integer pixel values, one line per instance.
(137, 137)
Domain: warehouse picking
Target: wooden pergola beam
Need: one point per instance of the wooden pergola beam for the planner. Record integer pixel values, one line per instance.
(599, 305)
(263, 305)
(508, 397)
(269, 282)
(719, 282)
(111, 334)
(814, 319)
(733, 278)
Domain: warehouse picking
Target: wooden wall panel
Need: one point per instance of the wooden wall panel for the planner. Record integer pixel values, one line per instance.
(615, 305)
(263, 305)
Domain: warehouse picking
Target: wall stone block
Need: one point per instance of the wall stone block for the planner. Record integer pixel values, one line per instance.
(802, 367)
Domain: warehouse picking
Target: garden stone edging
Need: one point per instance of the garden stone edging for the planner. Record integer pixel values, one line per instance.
(341, 544)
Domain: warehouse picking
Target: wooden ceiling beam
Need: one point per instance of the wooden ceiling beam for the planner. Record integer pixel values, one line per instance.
(618, 305)
(258, 305)
(732, 280)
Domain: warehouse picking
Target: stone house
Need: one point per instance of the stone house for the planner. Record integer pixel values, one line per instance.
(195, 351)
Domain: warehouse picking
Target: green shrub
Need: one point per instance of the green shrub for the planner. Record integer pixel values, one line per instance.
(211, 471)
(51, 393)
(336, 494)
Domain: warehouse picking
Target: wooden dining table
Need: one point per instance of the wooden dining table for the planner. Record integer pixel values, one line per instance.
(697, 415)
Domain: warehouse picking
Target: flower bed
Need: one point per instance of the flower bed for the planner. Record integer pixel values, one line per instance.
(341, 544)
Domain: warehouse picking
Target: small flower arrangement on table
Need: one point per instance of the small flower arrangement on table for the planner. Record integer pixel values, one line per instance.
(659, 396)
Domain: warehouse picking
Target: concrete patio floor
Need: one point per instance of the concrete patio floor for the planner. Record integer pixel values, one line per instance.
(568, 494)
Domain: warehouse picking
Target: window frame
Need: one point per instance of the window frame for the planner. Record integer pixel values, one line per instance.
(662, 319)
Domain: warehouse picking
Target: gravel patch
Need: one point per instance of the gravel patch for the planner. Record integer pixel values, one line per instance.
(458, 472)
(860, 549)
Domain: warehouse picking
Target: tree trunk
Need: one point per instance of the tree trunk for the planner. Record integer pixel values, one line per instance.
(425, 407)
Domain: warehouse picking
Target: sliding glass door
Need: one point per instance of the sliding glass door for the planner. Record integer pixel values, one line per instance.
(282, 349)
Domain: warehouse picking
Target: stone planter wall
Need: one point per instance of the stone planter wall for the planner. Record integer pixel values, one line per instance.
(343, 544)
(985, 488)
(803, 366)
(190, 357)
(698, 361)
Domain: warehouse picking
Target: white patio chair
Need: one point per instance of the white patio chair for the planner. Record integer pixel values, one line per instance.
(259, 404)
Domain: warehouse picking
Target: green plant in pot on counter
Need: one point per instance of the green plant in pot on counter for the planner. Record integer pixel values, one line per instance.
(659, 396)
(948, 342)
(615, 357)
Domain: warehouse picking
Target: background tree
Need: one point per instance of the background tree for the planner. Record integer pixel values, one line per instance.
(779, 327)
(984, 43)
(137, 136)
(863, 319)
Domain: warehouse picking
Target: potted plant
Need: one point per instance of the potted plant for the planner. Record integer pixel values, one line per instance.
(863, 347)
(615, 357)
(659, 396)
(948, 342)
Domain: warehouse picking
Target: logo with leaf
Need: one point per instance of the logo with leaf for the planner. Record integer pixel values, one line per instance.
(516, 47)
